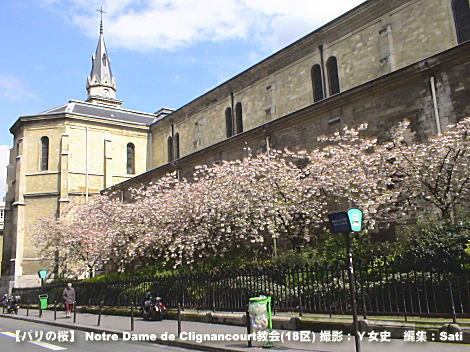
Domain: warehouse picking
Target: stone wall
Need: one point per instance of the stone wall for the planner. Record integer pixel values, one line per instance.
(370, 41)
(33, 194)
(383, 103)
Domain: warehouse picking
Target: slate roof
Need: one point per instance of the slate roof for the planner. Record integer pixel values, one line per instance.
(103, 112)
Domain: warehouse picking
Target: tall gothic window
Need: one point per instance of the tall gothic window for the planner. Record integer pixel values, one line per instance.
(229, 122)
(44, 153)
(317, 83)
(130, 158)
(176, 142)
(239, 117)
(461, 10)
(333, 79)
(170, 149)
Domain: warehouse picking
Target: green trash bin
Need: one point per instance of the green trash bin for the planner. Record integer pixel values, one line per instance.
(261, 319)
(43, 301)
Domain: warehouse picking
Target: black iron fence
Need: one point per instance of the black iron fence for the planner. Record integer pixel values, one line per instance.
(381, 289)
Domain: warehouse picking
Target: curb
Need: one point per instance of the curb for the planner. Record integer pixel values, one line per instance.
(88, 328)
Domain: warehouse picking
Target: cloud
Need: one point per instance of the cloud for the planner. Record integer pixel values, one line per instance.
(171, 24)
(13, 89)
(4, 156)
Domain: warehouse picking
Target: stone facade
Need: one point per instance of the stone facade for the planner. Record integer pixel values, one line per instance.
(382, 103)
(382, 62)
(71, 151)
(85, 156)
(370, 41)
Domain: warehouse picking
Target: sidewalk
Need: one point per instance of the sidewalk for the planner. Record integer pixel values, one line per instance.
(191, 329)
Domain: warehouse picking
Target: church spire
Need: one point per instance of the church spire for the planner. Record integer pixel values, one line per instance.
(101, 84)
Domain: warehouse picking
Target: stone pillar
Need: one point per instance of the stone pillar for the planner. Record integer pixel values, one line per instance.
(149, 161)
(19, 207)
(108, 158)
(64, 173)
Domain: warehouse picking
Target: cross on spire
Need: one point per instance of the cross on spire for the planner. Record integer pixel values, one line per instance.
(101, 21)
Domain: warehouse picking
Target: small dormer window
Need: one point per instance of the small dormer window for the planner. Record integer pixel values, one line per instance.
(104, 59)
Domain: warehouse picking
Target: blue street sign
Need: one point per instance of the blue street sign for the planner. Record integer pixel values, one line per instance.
(355, 219)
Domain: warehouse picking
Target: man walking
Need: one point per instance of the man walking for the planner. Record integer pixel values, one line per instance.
(69, 299)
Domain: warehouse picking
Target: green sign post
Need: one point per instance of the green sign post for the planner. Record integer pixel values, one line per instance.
(355, 219)
(42, 275)
(345, 222)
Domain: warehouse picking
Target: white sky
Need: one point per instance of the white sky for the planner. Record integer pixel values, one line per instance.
(170, 24)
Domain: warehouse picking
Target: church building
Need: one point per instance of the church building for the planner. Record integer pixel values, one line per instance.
(382, 62)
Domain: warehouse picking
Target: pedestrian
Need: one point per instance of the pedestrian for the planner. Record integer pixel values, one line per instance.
(69, 299)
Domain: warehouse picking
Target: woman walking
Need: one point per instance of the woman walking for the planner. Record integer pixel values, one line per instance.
(69, 299)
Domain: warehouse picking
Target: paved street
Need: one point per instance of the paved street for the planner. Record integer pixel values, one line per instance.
(8, 343)
(118, 323)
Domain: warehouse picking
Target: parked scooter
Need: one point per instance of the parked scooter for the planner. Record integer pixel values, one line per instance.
(153, 308)
(10, 303)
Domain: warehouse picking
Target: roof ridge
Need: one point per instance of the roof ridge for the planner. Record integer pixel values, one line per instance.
(112, 107)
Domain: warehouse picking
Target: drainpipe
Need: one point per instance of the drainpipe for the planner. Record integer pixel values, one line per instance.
(268, 148)
(322, 60)
(436, 108)
(234, 128)
(86, 165)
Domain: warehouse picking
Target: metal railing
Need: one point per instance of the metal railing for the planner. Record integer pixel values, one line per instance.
(381, 290)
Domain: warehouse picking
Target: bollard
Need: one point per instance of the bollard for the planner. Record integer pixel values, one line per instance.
(40, 310)
(452, 304)
(132, 316)
(364, 309)
(27, 309)
(213, 300)
(55, 310)
(99, 313)
(74, 311)
(179, 319)
(248, 327)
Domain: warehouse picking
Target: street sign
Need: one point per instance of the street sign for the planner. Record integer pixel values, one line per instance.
(355, 219)
(42, 274)
(339, 222)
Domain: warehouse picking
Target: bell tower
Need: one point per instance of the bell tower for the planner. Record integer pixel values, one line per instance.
(101, 84)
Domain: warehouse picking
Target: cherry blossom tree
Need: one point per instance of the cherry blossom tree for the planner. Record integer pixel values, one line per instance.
(240, 206)
(433, 174)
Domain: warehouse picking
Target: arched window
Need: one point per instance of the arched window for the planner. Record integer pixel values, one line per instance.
(44, 153)
(333, 79)
(461, 10)
(170, 149)
(177, 145)
(229, 122)
(317, 83)
(130, 158)
(239, 117)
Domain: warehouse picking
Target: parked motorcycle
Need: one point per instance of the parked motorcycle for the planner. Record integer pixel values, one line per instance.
(153, 308)
(10, 303)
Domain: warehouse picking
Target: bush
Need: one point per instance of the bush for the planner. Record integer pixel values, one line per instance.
(439, 246)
